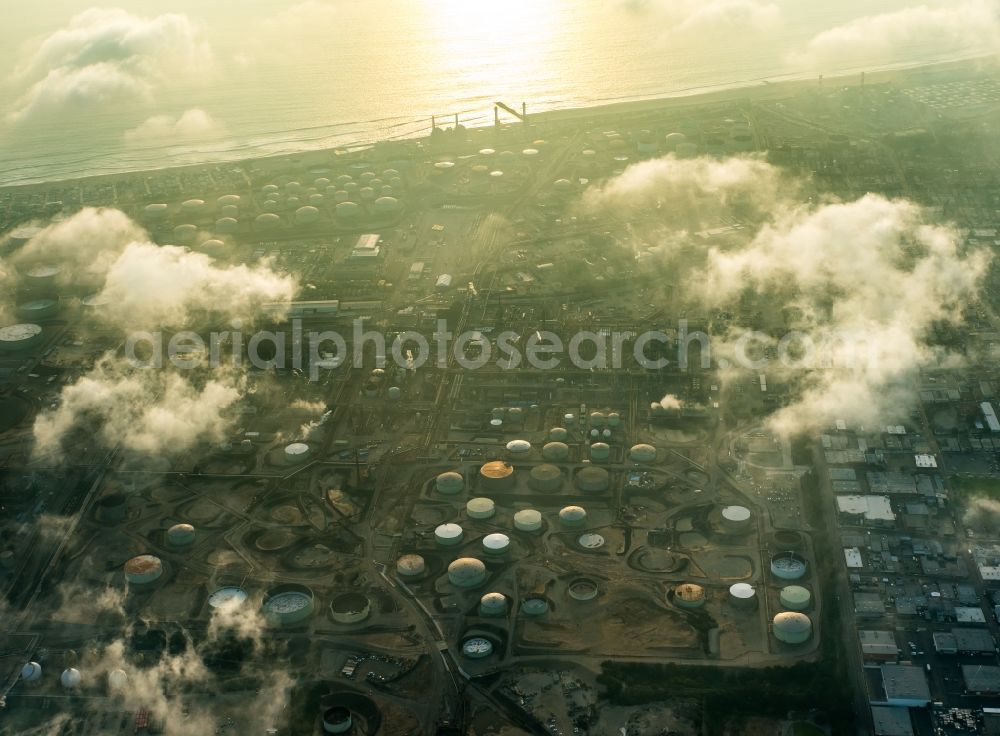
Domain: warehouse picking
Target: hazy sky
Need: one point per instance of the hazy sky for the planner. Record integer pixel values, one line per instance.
(254, 73)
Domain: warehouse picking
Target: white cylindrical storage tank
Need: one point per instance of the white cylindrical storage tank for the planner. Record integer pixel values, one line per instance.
(545, 478)
(792, 627)
(185, 234)
(155, 212)
(213, 245)
(293, 187)
(689, 595)
(181, 535)
(449, 483)
(340, 196)
(596, 419)
(573, 517)
(448, 535)
(230, 210)
(467, 572)
(528, 520)
(493, 604)
(496, 476)
(293, 203)
(480, 508)
(410, 566)
(267, 221)
(558, 434)
(555, 451)
(229, 200)
(496, 543)
(614, 419)
(226, 225)
(518, 449)
(71, 678)
(736, 519)
(269, 189)
(143, 569)
(593, 479)
(37, 309)
(31, 672)
(600, 451)
(348, 211)
(367, 194)
(193, 207)
(317, 200)
(386, 205)
(296, 452)
(795, 598)
(117, 680)
(569, 419)
(743, 595)
(307, 215)
(642, 453)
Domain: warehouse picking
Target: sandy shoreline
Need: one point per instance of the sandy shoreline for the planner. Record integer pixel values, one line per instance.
(726, 94)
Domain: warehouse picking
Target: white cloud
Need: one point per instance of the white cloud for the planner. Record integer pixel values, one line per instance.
(105, 55)
(151, 286)
(970, 26)
(871, 277)
(193, 124)
(151, 411)
(713, 16)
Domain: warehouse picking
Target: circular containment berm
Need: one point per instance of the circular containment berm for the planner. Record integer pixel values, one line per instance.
(493, 604)
(467, 572)
(143, 570)
(534, 606)
(689, 595)
(410, 566)
(795, 598)
(792, 627)
(337, 720)
(449, 483)
(496, 476)
(287, 605)
(582, 589)
(448, 535)
(545, 478)
(350, 608)
(788, 566)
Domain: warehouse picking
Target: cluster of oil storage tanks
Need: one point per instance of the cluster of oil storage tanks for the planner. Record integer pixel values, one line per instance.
(350, 199)
(72, 679)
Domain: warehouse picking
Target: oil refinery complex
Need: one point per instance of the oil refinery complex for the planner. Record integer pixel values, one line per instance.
(404, 547)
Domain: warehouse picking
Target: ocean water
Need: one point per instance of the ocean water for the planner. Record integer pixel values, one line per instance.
(283, 76)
